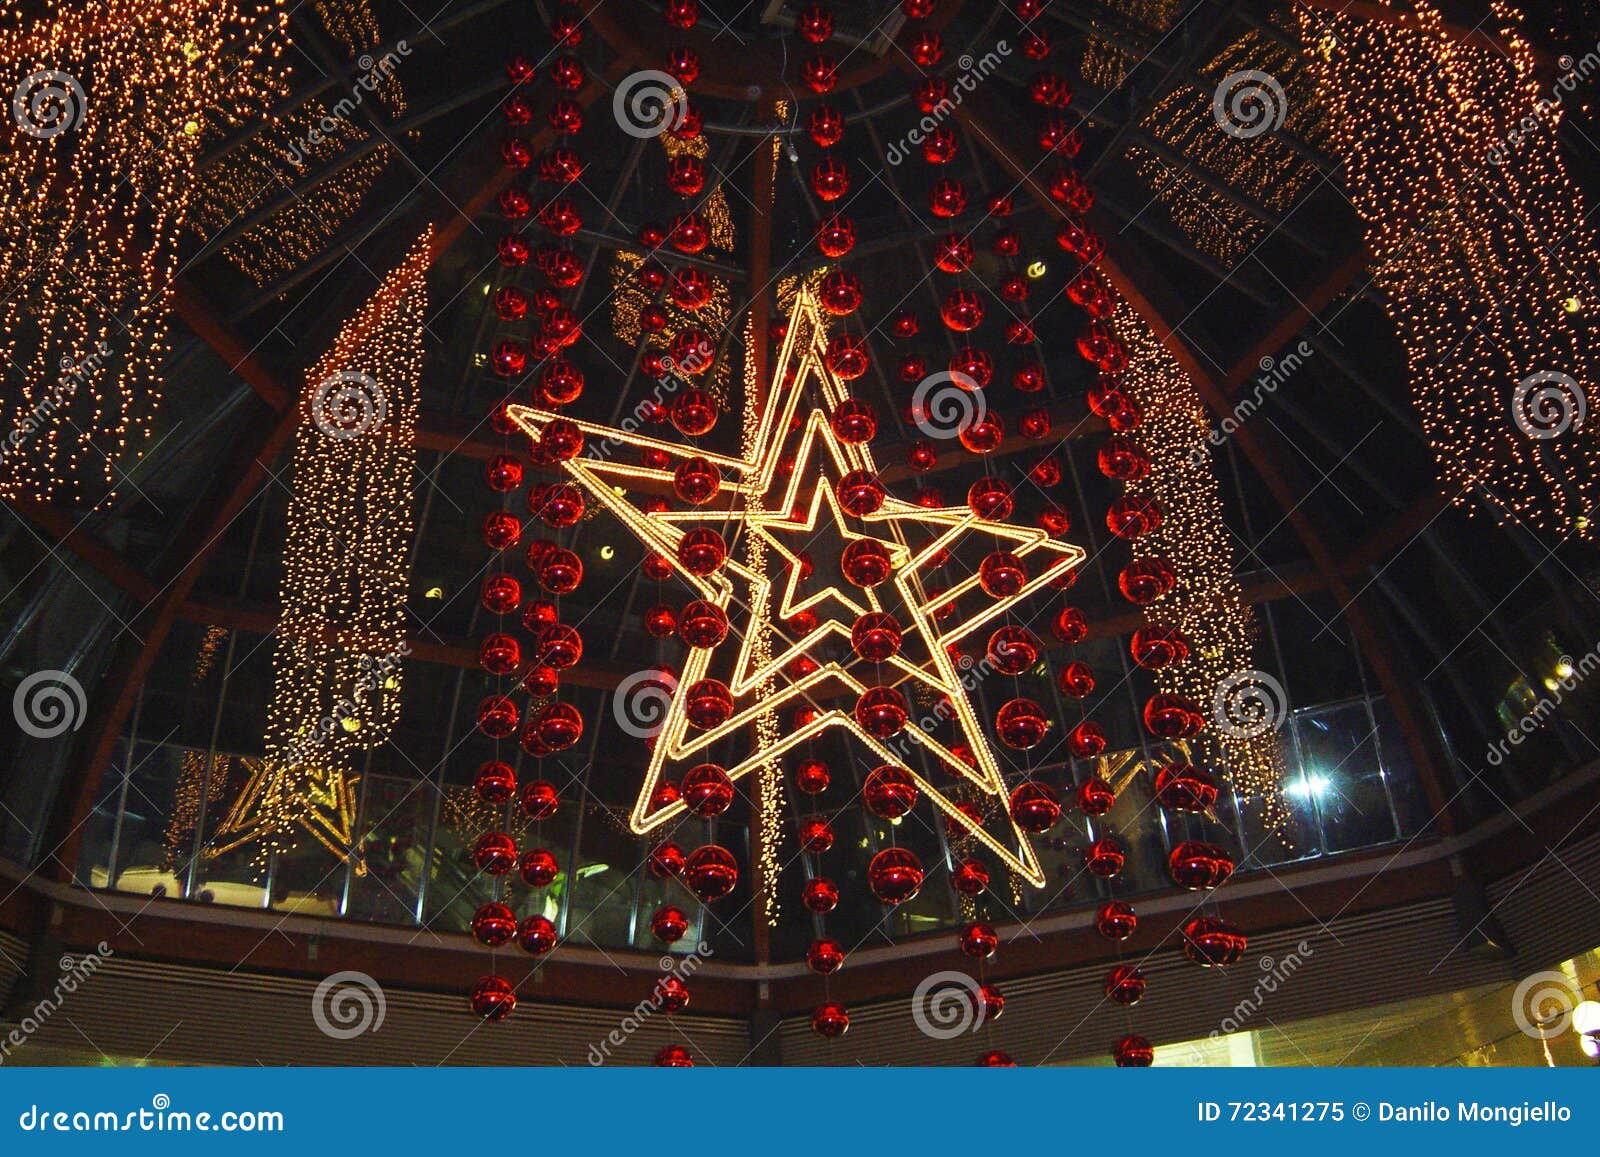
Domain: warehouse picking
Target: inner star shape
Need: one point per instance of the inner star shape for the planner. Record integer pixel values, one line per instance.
(774, 499)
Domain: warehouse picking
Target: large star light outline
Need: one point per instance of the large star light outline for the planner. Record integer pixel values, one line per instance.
(747, 485)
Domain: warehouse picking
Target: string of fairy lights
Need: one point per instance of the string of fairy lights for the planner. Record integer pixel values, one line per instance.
(1482, 248)
(96, 188)
(347, 549)
(1204, 604)
(1265, 167)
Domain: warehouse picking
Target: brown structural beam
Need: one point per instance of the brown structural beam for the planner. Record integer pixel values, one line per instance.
(63, 531)
(1399, 531)
(1272, 461)
(1307, 307)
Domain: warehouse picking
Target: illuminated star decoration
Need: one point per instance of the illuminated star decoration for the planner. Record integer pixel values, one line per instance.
(766, 495)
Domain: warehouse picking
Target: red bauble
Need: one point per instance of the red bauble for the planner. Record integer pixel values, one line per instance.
(1002, 574)
(495, 853)
(866, 562)
(538, 867)
(1199, 866)
(819, 73)
(1185, 788)
(1079, 240)
(1096, 796)
(1070, 626)
(889, 792)
(970, 877)
(706, 790)
(895, 875)
(681, 13)
(962, 311)
(927, 49)
(1104, 858)
(816, 835)
(921, 456)
(504, 473)
(1050, 90)
(830, 1021)
(1012, 650)
(1170, 716)
(708, 704)
(1035, 806)
(694, 413)
(696, 480)
(1125, 984)
(860, 493)
(825, 956)
(940, 146)
(1116, 920)
(671, 995)
(500, 654)
(666, 860)
(996, 1059)
(848, 356)
(1133, 1052)
(836, 236)
(661, 621)
(820, 895)
(1086, 740)
(1021, 724)
(988, 1003)
(1075, 679)
(558, 726)
(983, 436)
(1212, 942)
(494, 924)
(812, 776)
(539, 799)
(565, 117)
(711, 872)
(830, 178)
(493, 998)
(495, 782)
(947, 198)
(1144, 580)
(562, 506)
(840, 293)
(876, 637)
(702, 624)
(881, 712)
(953, 253)
(918, 9)
(1123, 459)
(560, 571)
(536, 935)
(498, 717)
(1156, 647)
(978, 940)
(669, 925)
(702, 551)
(853, 422)
(991, 498)
(815, 23)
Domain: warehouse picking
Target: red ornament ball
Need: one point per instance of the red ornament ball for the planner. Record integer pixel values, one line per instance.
(970, 877)
(1095, 796)
(820, 895)
(492, 998)
(538, 868)
(669, 925)
(536, 935)
(979, 940)
(1116, 920)
(812, 776)
(711, 872)
(495, 782)
(830, 1021)
(889, 792)
(1133, 1052)
(895, 875)
(825, 956)
(494, 924)
(1212, 942)
(1035, 806)
(881, 712)
(706, 790)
